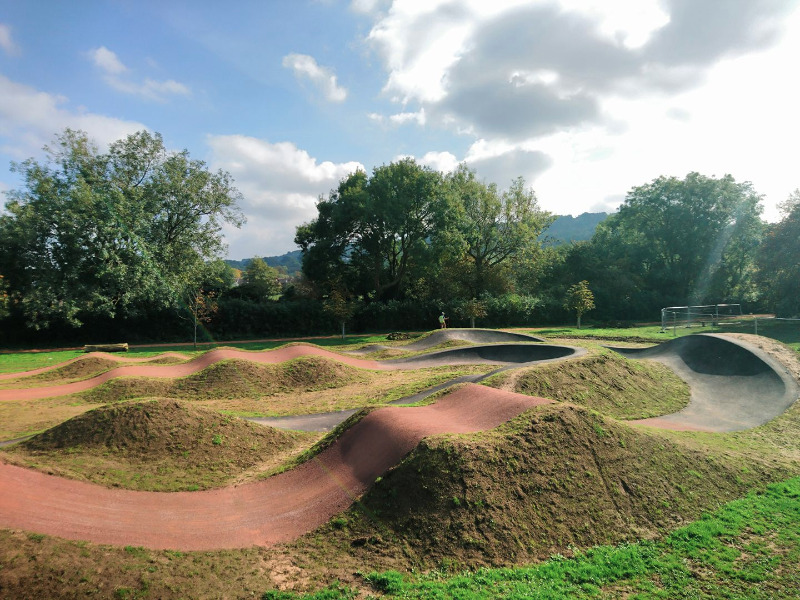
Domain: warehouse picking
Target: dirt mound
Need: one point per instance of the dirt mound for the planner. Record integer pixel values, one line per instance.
(82, 367)
(157, 445)
(558, 476)
(610, 384)
(233, 378)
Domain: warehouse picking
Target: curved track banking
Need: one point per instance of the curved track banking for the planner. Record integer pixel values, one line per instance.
(734, 385)
(501, 354)
(475, 336)
(277, 509)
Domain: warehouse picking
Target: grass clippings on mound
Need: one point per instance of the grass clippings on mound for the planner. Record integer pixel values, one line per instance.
(613, 385)
(158, 445)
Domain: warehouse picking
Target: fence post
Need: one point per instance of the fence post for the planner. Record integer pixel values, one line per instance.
(755, 320)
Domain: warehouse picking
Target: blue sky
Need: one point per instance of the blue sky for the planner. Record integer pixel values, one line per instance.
(583, 98)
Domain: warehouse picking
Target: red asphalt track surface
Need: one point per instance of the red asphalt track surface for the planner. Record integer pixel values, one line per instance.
(734, 386)
(278, 509)
(276, 356)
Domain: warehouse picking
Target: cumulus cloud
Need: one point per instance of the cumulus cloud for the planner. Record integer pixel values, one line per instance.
(30, 118)
(445, 162)
(305, 67)
(400, 118)
(7, 42)
(113, 73)
(280, 184)
(520, 70)
(504, 168)
(107, 61)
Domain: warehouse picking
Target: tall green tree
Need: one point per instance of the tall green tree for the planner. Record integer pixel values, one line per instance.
(579, 299)
(259, 280)
(494, 229)
(372, 231)
(779, 261)
(91, 233)
(689, 241)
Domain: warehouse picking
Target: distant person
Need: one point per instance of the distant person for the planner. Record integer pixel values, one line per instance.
(442, 321)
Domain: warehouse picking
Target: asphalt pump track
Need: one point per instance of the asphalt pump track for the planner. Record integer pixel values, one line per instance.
(734, 386)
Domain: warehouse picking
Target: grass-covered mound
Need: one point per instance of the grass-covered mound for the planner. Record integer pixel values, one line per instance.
(83, 367)
(159, 445)
(234, 378)
(608, 383)
(556, 477)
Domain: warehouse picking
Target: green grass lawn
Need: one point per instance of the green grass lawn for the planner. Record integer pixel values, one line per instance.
(749, 548)
(27, 360)
(787, 332)
(784, 331)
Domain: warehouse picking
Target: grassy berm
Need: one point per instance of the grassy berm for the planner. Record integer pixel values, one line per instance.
(234, 378)
(159, 445)
(557, 479)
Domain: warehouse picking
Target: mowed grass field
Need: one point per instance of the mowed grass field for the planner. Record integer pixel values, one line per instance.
(564, 502)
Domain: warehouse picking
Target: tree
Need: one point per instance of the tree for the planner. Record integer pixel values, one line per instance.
(370, 232)
(473, 309)
(260, 280)
(3, 298)
(339, 307)
(494, 228)
(111, 234)
(779, 261)
(688, 241)
(580, 299)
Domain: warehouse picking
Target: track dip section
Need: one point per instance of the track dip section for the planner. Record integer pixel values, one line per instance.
(498, 354)
(474, 336)
(734, 385)
(275, 510)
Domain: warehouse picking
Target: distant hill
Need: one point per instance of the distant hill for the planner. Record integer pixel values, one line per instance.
(290, 261)
(566, 228)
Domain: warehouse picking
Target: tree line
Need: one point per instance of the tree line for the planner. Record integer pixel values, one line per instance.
(128, 242)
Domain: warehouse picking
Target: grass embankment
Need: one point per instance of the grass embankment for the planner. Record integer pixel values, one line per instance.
(750, 548)
(606, 382)
(159, 445)
(27, 360)
(238, 387)
(554, 480)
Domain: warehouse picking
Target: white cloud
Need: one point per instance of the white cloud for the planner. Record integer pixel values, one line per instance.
(7, 42)
(305, 66)
(107, 61)
(113, 69)
(446, 162)
(280, 184)
(29, 119)
(400, 118)
(593, 97)
(630, 23)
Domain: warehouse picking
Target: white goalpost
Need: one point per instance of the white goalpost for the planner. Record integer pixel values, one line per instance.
(690, 316)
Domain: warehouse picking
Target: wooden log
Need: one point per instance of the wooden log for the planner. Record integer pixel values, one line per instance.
(105, 348)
